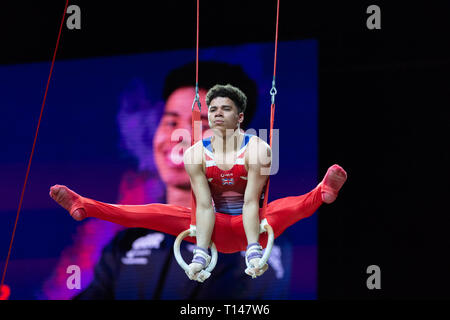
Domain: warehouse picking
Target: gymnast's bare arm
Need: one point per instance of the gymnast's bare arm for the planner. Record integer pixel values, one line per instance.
(259, 161)
(205, 216)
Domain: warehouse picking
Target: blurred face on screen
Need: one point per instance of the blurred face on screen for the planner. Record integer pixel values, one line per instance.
(173, 135)
(137, 119)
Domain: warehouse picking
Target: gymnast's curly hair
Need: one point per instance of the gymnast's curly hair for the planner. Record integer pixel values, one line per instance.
(228, 91)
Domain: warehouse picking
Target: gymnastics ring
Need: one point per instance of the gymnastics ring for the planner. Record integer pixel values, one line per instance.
(204, 274)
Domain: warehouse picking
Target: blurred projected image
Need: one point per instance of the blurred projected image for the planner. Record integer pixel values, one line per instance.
(129, 108)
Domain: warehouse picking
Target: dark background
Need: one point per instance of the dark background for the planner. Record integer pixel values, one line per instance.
(383, 114)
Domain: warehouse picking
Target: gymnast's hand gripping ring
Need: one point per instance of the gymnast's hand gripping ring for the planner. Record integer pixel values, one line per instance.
(264, 227)
(205, 273)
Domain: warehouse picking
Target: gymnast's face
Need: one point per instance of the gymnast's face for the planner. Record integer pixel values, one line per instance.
(173, 135)
(223, 115)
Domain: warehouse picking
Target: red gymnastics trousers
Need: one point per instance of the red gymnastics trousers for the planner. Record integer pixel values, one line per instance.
(228, 234)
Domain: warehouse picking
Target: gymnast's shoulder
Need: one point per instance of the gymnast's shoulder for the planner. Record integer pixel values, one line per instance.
(194, 154)
(258, 147)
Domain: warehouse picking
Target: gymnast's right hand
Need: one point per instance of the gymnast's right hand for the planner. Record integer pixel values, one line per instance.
(199, 262)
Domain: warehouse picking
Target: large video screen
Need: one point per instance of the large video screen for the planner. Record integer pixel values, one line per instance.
(101, 136)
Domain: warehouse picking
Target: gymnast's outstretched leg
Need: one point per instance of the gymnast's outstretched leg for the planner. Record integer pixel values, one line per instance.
(167, 218)
(284, 212)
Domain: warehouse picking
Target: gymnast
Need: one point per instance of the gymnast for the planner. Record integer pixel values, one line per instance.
(228, 172)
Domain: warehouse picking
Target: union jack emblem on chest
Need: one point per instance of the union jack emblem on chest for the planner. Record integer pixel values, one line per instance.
(227, 181)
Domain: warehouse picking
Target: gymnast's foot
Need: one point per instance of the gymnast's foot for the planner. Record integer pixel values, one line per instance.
(66, 198)
(332, 182)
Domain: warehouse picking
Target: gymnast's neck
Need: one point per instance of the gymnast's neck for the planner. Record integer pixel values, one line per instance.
(227, 140)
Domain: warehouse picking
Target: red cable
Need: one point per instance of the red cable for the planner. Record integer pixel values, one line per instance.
(276, 40)
(198, 29)
(34, 144)
(272, 114)
(195, 114)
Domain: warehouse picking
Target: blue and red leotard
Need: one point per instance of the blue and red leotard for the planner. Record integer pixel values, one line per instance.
(227, 186)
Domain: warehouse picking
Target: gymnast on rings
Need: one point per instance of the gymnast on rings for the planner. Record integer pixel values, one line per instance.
(228, 172)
